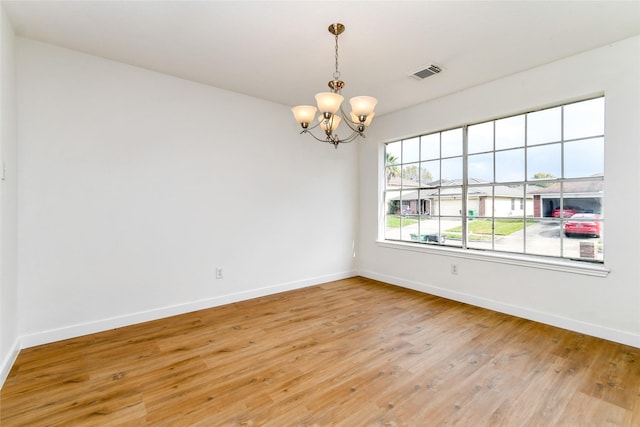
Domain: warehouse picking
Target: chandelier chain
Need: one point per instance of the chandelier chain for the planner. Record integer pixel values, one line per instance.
(336, 75)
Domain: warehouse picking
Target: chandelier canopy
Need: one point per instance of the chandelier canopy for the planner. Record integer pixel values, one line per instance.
(330, 106)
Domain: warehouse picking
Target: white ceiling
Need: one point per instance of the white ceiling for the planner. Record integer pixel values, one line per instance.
(282, 51)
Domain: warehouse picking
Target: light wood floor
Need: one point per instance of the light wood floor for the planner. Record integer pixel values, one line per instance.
(354, 352)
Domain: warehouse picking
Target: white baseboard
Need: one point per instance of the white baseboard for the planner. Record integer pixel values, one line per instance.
(8, 361)
(72, 331)
(587, 328)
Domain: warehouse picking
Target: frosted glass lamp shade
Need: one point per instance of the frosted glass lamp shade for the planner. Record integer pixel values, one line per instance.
(356, 120)
(329, 102)
(363, 105)
(304, 113)
(330, 124)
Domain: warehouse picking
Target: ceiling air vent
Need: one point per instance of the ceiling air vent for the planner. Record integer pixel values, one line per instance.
(426, 72)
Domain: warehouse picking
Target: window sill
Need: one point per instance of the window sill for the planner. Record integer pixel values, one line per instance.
(531, 261)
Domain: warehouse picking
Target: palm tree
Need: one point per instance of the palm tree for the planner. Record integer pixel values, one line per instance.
(392, 169)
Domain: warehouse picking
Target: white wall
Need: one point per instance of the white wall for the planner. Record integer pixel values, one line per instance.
(8, 202)
(607, 307)
(135, 185)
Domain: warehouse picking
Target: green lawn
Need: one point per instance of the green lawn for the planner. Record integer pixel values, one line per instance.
(503, 227)
(479, 229)
(472, 237)
(394, 221)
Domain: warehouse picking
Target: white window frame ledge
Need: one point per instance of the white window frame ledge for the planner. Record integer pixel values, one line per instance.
(531, 261)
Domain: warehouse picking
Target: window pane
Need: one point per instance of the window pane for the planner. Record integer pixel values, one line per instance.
(584, 119)
(584, 158)
(480, 168)
(409, 227)
(392, 199)
(428, 202)
(544, 126)
(480, 137)
(409, 203)
(480, 233)
(393, 153)
(583, 237)
(543, 237)
(451, 169)
(452, 143)
(435, 204)
(428, 231)
(544, 162)
(538, 203)
(450, 201)
(480, 201)
(510, 165)
(452, 231)
(510, 132)
(392, 229)
(392, 217)
(411, 150)
(509, 234)
(392, 174)
(582, 197)
(403, 220)
(430, 146)
(429, 172)
(410, 175)
(508, 201)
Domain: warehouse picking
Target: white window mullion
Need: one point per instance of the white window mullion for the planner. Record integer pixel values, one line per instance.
(465, 186)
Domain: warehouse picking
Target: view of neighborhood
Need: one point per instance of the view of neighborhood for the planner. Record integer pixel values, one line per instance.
(531, 184)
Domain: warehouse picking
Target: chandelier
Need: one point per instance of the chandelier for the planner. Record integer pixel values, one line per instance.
(330, 107)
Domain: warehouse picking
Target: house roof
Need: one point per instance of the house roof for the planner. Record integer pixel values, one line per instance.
(452, 188)
(480, 188)
(397, 181)
(576, 187)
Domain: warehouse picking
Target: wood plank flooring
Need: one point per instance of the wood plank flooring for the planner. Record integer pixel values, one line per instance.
(354, 352)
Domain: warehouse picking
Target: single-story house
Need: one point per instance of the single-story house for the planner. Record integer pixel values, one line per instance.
(583, 196)
(443, 198)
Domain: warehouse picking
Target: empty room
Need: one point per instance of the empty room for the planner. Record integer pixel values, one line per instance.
(304, 213)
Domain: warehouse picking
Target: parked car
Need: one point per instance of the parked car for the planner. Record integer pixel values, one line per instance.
(580, 225)
(567, 212)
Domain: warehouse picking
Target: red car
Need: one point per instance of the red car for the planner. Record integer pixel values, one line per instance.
(567, 212)
(582, 226)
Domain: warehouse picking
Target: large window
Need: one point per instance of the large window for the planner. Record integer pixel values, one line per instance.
(527, 184)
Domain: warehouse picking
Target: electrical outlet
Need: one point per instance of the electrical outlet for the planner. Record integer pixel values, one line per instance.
(454, 268)
(219, 273)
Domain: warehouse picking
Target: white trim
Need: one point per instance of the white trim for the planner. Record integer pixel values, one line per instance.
(599, 331)
(8, 361)
(72, 331)
(532, 261)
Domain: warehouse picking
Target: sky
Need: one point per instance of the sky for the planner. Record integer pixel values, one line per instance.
(535, 142)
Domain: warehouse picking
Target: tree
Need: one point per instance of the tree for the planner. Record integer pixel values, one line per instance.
(543, 175)
(426, 176)
(411, 173)
(391, 166)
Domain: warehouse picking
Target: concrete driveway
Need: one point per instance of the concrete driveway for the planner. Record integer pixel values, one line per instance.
(544, 237)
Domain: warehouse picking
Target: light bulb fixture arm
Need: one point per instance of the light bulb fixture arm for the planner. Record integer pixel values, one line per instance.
(359, 128)
(308, 128)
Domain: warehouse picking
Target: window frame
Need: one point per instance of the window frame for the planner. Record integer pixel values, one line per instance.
(561, 262)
